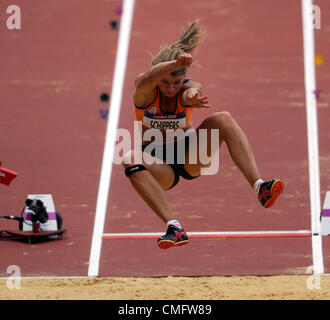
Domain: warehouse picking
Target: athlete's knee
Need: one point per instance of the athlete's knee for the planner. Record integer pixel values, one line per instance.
(222, 120)
(132, 157)
(133, 169)
(223, 117)
(130, 163)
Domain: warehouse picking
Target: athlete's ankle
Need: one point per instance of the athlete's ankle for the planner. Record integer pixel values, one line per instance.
(257, 185)
(175, 223)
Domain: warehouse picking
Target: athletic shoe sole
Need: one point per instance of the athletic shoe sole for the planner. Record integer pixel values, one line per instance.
(166, 244)
(276, 190)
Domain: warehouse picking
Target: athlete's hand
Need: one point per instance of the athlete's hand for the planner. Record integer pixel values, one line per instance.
(193, 98)
(184, 60)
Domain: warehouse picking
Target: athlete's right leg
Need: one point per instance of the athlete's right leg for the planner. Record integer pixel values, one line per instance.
(151, 183)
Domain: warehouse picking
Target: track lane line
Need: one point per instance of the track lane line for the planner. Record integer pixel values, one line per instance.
(312, 134)
(111, 135)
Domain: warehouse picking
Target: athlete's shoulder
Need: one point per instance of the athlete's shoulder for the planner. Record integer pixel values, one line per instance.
(143, 94)
(142, 103)
(139, 78)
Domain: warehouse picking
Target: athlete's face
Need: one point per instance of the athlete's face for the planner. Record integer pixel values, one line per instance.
(170, 86)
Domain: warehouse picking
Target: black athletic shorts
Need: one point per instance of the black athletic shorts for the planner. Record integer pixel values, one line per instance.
(175, 160)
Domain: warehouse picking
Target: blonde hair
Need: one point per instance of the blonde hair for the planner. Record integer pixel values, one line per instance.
(191, 38)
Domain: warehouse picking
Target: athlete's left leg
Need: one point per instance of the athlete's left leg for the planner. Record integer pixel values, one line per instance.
(241, 153)
(236, 141)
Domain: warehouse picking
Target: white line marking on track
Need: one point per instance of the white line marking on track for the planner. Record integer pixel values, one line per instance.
(111, 135)
(312, 132)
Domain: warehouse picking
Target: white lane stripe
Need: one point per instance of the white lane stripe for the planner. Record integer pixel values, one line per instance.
(208, 233)
(111, 135)
(312, 131)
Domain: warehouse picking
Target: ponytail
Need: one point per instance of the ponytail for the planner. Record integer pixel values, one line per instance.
(191, 38)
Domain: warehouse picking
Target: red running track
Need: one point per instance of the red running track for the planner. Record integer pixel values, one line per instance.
(57, 65)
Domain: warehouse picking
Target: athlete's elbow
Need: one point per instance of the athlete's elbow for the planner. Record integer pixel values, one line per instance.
(145, 82)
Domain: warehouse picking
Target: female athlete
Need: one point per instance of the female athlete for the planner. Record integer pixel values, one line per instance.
(165, 99)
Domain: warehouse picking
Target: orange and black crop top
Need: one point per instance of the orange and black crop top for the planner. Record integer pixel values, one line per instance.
(152, 115)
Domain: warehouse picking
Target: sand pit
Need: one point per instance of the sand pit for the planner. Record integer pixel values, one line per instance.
(297, 287)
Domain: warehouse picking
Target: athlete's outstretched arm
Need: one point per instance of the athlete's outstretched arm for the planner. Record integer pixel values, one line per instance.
(146, 83)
